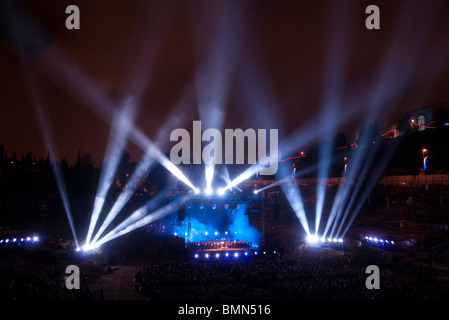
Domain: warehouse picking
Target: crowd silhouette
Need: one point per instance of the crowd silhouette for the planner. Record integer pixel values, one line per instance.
(257, 278)
(23, 284)
(270, 278)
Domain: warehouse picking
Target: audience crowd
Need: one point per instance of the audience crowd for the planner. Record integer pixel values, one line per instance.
(23, 284)
(272, 278)
(254, 278)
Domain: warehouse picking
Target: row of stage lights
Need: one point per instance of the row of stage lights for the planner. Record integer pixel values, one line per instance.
(214, 206)
(315, 240)
(236, 255)
(220, 192)
(28, 239)
(206, 233)
(380, 241)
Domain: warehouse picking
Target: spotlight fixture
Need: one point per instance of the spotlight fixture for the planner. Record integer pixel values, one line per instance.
(90, 247)
(312, 239)
(378, 241)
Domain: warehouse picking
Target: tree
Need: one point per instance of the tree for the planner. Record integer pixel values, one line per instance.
(368, 135)
(403, 125)
(340, 141)
(441, 117)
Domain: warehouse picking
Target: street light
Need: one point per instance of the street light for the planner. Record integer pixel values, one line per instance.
(424, 151)
(345, 165)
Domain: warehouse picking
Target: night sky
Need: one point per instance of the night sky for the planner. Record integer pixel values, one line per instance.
(273, 61)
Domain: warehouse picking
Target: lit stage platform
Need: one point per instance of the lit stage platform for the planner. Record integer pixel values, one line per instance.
(221, 220)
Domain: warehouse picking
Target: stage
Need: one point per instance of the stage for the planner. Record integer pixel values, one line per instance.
(218, 222)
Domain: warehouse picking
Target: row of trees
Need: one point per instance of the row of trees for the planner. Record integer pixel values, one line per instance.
(30, 198)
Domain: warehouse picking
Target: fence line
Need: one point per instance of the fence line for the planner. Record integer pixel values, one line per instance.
(399, 181)
(419, 180)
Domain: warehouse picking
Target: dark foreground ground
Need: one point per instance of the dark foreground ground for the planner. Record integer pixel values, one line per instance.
(308, 273)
